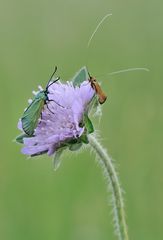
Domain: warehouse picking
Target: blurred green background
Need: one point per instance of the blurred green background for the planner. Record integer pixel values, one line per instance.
(72, 203)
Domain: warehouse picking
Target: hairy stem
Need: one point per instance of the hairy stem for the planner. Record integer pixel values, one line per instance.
(114, 186)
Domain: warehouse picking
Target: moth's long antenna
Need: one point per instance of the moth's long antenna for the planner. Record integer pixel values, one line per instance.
(98, 25)
(89, 74)
(128, 70)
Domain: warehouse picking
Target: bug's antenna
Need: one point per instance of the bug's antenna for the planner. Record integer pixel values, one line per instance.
(53, 82)
(55, 69)
(95, 31)
(97, 27)
(88, 72)
(48, 85)
(90, 77)
(129, 70)
(133, 69)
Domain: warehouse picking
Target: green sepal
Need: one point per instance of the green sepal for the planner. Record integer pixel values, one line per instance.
(94, 103)
(88, 124)
(72, 141)
(57, 158)
(75, 146)
(80, 77)
(19, 139)
(84, 138)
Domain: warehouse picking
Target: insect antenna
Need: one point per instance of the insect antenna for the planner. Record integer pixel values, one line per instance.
(55, 69)
(53, 82)
(47, 87)
(128, 70)
(89, 73)
(133, 69)
(97, 27)
(49, 84)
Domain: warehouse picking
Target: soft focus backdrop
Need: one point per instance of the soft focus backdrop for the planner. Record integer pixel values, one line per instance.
(72, 203)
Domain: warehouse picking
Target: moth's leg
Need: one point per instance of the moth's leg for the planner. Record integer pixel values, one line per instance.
(51, 100)
(49, 108)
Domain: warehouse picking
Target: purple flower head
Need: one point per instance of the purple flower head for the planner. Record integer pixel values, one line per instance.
(63, 121)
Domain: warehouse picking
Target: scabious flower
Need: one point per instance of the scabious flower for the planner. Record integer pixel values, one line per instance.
(62, 121)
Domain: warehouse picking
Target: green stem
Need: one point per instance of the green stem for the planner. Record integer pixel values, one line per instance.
(114, 185)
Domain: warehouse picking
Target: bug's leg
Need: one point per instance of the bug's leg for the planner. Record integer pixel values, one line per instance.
(49, 109)
(51, 100)
(55, 103)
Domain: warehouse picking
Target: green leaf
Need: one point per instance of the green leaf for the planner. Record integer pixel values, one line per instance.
(88, 124)
(19, 139)
(80, 77)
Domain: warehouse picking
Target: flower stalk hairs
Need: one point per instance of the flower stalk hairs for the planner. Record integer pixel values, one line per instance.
(58, 119)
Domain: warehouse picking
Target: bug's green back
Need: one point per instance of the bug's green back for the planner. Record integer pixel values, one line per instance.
(31, 115)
